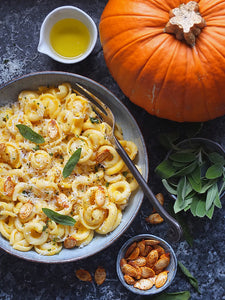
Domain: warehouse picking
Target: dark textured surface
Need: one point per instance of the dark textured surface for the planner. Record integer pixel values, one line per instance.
(20, 23)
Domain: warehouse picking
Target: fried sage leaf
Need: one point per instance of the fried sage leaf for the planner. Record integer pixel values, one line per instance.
(58, 218)
(29, 134)
(71, 163)
(193, 281)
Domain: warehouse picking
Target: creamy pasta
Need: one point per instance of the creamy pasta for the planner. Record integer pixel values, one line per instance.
(94, 194)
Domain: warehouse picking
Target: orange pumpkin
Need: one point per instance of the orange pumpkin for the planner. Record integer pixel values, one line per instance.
(156, 69)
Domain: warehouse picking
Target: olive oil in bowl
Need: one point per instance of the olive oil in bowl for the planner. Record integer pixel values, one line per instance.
(69, 38)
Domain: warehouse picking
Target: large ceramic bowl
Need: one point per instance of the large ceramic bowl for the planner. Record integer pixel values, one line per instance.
(9, 93)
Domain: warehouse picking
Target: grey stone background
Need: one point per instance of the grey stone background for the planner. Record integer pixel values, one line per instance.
(20, 23)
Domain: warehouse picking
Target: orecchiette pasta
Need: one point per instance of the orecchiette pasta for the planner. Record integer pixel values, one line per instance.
(31, 174)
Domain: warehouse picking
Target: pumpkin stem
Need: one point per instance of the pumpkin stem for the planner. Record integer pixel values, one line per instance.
(185, 22)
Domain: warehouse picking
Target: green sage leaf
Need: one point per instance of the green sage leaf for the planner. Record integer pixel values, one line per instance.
(214, 171)
(182, 157)
(169, 188)
(58, 218)
(211, 195)
(194, 204)
(222, 187)
(71, 163)
(217, 202)
(207, 186)
(200, 208)
(167, 140)
(188, 206)
(191, 195)
(183, 295)
(165, 169)
(195, 179)
(29, 134)
(186, 170)
(210, 212)
(181, 189)
(216, 158)
(188, 189)
(178, 165)
(193, 281)
(178, 207)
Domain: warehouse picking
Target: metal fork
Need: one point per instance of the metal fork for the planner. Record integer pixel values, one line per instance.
(106, 115)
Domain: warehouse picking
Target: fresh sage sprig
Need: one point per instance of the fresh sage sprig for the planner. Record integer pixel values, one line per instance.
(58, 218)
(193, 281)
(29, 134)
(184, 295)
(195, 177)
(71, 163)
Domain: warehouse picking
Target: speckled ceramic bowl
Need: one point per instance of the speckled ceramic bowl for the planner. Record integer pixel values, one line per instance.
(172, 267)
(9, 93)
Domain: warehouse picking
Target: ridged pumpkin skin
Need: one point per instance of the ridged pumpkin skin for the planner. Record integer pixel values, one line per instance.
(156, 71)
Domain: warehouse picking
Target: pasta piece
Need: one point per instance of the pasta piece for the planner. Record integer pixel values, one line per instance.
(119, 192)
(108, 224)
(34, 110)
(39, 160)
(49, 248)
(34, 233)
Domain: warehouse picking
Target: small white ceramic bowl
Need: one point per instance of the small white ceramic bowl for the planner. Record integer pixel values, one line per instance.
(172, 267)
(56, 15)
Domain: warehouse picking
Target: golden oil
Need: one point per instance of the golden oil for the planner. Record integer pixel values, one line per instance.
(69, 38)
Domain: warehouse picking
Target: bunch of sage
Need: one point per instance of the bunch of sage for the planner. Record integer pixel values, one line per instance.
(195, 176)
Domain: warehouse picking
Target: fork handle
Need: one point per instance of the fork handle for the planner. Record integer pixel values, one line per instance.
(175, 226)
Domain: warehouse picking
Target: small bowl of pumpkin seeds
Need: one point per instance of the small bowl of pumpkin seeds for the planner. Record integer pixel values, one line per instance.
(146, 264)
(193, 173)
